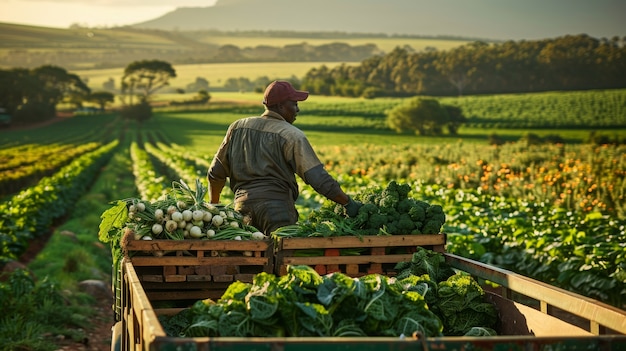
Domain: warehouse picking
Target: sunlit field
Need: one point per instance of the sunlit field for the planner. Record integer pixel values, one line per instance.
(215, 73)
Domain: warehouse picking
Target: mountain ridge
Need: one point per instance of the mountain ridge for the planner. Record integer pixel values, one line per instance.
(489, 19)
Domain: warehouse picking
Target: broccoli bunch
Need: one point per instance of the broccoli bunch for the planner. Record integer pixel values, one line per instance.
(385, 210)
(391, 210)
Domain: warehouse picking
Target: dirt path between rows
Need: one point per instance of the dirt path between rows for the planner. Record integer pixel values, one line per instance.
(98, 330)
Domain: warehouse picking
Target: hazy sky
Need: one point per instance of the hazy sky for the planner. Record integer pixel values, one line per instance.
(63, 13)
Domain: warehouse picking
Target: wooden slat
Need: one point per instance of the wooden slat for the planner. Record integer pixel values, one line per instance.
(590, 309)
(365, 241)
(142, 309)
(363, 259)
(198, 261)
(185, 295)
(192, 245)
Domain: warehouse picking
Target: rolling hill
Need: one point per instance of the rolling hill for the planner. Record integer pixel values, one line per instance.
(482, 19)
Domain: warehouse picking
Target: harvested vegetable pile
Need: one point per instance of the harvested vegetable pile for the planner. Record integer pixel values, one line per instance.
(385, 211)
(181, 214)
(304, 303)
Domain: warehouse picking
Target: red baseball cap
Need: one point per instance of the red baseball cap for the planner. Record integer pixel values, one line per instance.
(280, 91)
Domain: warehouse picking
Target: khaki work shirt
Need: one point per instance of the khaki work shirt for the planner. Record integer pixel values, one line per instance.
(261, 155)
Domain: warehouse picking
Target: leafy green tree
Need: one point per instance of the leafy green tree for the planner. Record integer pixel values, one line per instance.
(423, 116)
(199, 84)
(101, 98)
(203, 96)
(143, 78)
(109, 84)
(32, 95)
(14, 84)
(58, 85)
(455, 118)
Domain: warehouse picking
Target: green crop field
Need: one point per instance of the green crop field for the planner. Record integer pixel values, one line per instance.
(215, 73)
(551, 211)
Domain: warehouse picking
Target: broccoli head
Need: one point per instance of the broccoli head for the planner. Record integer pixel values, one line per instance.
(435, 218)
(377, 220)
(417, 213)
(364, 213)
(405, 224)
(403, 191)
(432, 227)
(405, 205)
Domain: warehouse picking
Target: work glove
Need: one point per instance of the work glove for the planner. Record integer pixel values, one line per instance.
(352, 207)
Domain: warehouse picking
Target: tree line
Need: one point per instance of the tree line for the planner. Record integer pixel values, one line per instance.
(199, 53)
(32, 95)
(577, 62)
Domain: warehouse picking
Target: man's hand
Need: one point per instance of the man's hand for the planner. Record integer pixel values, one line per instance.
(352, 207)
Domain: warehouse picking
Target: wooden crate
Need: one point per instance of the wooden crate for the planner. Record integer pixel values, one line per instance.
(379, 254)
(197, 269)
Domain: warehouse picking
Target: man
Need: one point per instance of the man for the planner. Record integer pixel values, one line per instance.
(261, 156)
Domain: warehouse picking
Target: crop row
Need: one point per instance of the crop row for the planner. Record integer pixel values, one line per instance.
(30, 213)
(601, 108)
(552, 212)
(27, 167)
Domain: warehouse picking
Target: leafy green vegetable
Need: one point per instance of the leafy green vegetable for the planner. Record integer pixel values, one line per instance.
(304, 303)
(462, 307)
(427, 297)
(113, 219)
(428, 262)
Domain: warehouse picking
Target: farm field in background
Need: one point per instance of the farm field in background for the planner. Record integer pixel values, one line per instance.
(550, 211)
(386, 44)
(215, 73)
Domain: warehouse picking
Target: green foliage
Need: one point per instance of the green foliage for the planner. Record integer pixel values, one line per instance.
(425, 262)
(143, 78)
(31, 212)
(461, 305)
(101, 98)
(386, 210)
(576, 62)
(303, 303)
(419, 115)
(33, 111)
(32, 309)
(138, 112)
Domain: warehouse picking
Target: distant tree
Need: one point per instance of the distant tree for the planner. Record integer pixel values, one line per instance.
(14, 84)
(101, 98)
(143, 78)
(203, 96)
(32, 95)
(58, 85)
(455, 118)
(422, 116)
(199, 84)
(109, 84)
(239, 84)
(139, 112)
